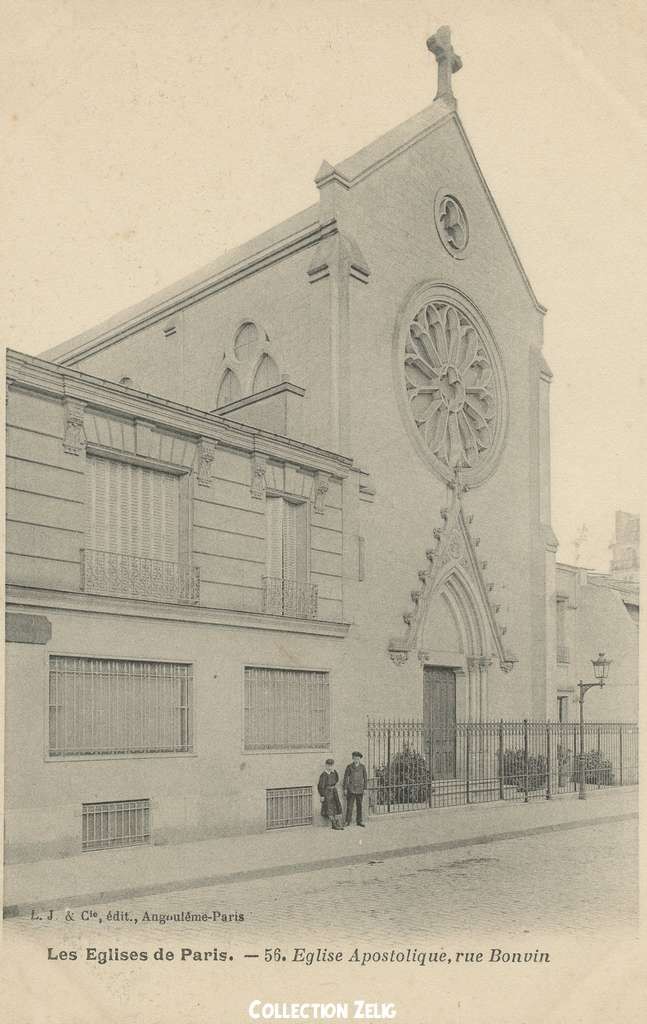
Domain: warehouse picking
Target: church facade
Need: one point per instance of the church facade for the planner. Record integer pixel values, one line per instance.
(307, 485)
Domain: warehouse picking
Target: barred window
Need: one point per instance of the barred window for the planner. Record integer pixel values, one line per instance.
(287, 807)
(116, 823)
(105, 706)
(286, 709)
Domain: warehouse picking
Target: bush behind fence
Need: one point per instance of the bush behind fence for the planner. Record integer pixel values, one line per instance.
(412, 766)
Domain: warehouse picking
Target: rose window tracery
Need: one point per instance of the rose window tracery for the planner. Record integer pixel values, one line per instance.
(451, 386)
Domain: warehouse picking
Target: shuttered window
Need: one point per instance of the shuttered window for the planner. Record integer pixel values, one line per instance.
(132, 510)
(287, 533)
(286, 709)
(105, 706)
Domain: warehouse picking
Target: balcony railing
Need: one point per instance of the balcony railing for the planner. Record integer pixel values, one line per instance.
(289, 597)
(149, 579)
(563, 654)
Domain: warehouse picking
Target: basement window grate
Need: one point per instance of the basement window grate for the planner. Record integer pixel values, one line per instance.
(117, 823)
(288, 807)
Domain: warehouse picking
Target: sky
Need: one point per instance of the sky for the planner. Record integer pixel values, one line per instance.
(142, 139)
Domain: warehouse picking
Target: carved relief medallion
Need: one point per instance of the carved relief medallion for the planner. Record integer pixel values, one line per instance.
(454, 386)
(451, 224)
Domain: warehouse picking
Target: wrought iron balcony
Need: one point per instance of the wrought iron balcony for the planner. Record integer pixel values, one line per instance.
(289, 597)
(563, 654)
(149, 579)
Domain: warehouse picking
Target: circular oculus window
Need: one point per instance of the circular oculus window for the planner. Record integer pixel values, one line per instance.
(451, 224)
(246, 342)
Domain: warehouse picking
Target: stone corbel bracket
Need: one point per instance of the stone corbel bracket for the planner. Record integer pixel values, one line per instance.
(398, 656)
(74, 437)
(259, 476)
(322, 483)
(206, 452)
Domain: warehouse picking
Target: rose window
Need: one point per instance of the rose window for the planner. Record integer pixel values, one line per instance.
(451, 386)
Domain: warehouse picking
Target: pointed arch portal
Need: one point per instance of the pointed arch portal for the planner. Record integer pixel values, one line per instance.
(456, 577)
(473, 629)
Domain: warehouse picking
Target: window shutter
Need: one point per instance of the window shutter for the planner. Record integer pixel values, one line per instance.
(301, 524)
(170, 504)
(114, 505)
(289, 541)
(132, 510)
(274, 512)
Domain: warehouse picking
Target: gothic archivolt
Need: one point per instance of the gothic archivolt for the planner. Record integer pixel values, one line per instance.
(453, 383)
(455, 570)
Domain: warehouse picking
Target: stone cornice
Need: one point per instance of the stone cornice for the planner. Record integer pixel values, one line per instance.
(27, 598)
(260, 396)
(328, 173)
(67, 383)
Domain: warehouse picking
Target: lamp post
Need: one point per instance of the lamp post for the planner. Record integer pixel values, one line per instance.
(600, 671)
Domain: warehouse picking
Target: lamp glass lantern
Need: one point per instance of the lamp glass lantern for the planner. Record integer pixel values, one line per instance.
(601, 668)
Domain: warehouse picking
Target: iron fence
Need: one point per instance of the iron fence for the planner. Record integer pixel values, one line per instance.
(412, 767)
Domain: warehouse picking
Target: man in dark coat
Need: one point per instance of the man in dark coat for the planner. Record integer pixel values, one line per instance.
(327, 789)
(355, 782)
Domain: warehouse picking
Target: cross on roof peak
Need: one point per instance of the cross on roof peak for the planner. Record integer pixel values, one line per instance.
(440, 44)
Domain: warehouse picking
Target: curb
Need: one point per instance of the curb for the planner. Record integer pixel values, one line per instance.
(253, 874)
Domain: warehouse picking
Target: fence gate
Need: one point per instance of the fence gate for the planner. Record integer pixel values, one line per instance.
(412, 765)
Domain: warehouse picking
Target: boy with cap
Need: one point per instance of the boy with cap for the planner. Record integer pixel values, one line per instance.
(327, 789)
(355, 782)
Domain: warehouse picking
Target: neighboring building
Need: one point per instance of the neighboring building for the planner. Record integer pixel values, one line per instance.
(596, 612)
(308, 484)
(625, 548)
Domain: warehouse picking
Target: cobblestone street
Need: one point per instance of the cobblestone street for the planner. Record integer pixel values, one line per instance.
(579, 881)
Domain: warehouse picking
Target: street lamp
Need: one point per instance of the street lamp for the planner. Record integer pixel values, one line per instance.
(600, 671)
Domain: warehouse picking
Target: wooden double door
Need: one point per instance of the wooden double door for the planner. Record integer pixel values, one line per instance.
(439, 713)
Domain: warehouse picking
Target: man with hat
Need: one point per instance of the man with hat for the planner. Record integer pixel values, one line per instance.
(355, 782)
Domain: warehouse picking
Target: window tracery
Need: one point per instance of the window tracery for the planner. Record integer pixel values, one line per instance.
(453, 384)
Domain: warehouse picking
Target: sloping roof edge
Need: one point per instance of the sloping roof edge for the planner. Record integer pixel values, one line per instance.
(295, 231)
(497, 213)
(283, 238)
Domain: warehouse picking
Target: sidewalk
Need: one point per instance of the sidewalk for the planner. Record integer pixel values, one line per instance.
(93, 878)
